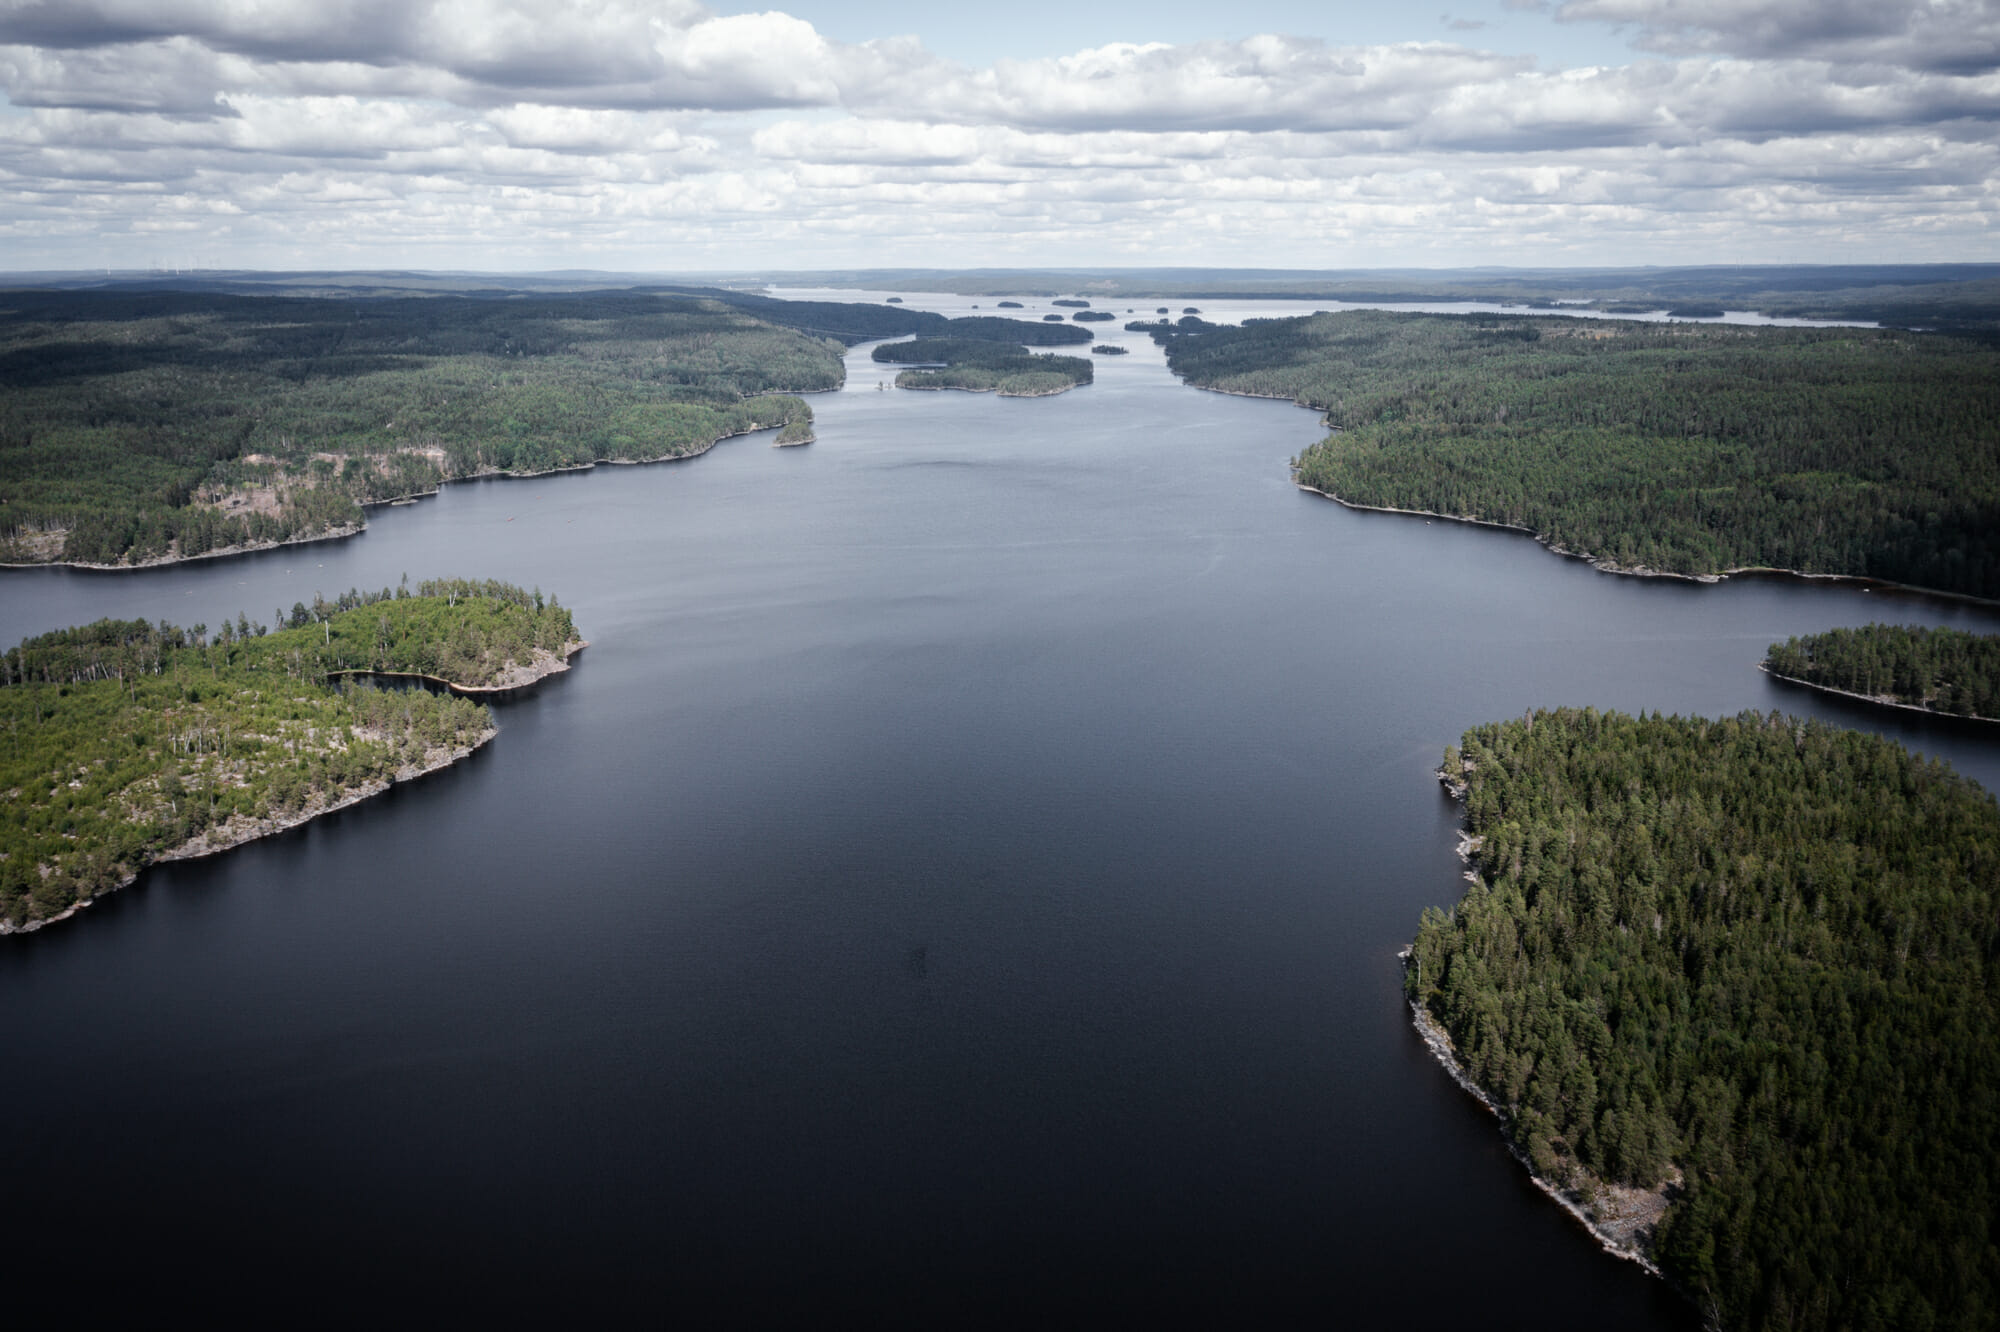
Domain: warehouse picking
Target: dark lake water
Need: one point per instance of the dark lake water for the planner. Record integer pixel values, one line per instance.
(961, 882)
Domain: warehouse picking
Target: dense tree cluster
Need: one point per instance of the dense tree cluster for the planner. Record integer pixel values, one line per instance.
(1944, 670)
(1685, 448)
(983, 366)
(1756, 954)
(126, 740)
(136, 427)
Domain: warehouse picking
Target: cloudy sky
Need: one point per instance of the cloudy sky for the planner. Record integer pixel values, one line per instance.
(666, 135)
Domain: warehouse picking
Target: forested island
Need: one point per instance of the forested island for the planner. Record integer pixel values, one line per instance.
(1911, 666)
(1696, 450)
(130, 743)
(1731, 987)
(980, 366)
(144, 427)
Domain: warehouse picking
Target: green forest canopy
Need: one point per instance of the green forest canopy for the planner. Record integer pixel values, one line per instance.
(136, 426)
(1759, 952)
(1943, 670)
(1691, 449)
(125, 740)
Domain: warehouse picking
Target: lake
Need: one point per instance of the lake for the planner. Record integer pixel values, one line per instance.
(961, 881)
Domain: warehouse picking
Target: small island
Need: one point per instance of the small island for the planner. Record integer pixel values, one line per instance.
(1109, 349)
(1719, 979)
(133, 743)
(976, 365)
(1093, 316)
(1072, 304)
(1008, 305)
(1946, 671)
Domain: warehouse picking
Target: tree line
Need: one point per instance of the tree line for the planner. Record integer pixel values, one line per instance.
(1942, 670)
(1690, 449)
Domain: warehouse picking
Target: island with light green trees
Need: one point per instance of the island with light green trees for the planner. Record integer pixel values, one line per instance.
(130, 743)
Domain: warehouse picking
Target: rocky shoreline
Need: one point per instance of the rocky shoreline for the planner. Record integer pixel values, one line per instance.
(241, 829)
(342, 533)
(1623, 1219)
(1878, 700)
(1603, 565)
(220, 552)
(541, 666)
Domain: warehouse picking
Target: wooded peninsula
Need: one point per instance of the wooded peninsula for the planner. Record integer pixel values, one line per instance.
(1648, 447)
(130, 743)
(1912, 666)
(143, 427)
(1746, 967)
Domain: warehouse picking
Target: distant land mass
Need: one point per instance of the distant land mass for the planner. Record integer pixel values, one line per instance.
(1964, 297)
(148, 426)
(147, 423)
(980, 366)
(1689, 449)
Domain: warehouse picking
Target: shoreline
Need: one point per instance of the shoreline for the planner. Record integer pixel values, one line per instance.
(1439, 1043)
(1635, 1212)
(342, 533)
(219, 553)
(1603, 565)
(241, 830)
(996, 390)
(544, 664)
(1875, 700)
(1246, 393)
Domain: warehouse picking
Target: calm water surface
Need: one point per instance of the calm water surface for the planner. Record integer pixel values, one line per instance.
(962, 881)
